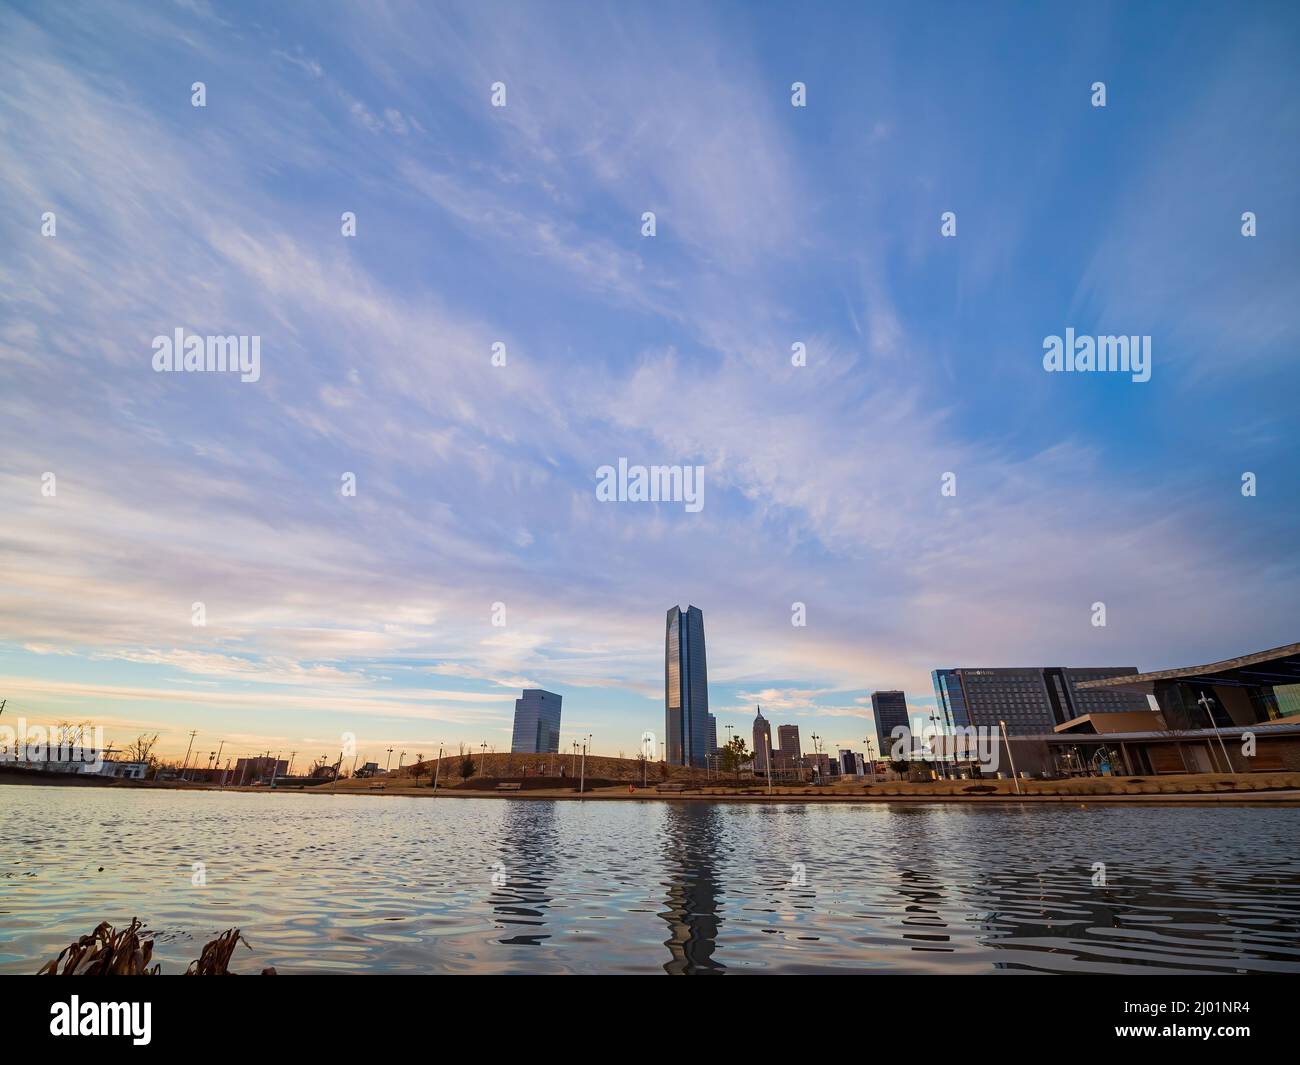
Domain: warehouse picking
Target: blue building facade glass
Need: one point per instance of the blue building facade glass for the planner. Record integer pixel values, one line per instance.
(537, 723)
(686, 688)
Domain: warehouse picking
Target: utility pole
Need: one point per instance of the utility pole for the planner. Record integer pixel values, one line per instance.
(220, 747)
(289, 771)
(187, 754)
(437, 769)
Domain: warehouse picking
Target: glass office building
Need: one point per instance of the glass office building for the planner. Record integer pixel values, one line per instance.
(1032, 700)
(890, 711)
(537, 723)
(686, 688)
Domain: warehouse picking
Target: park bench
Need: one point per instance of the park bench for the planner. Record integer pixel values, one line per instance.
(378, 785)
(508, 787)
(670, 787)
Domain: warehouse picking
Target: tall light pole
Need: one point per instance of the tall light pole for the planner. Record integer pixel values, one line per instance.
(1206, 705)
(582, 776)
(388, 761)
(942, 770)
(1015, 779)
(437, 770)
(767, 746)
(482, 762)
(871, 761)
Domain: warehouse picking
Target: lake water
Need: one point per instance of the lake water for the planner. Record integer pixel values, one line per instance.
(394, 885)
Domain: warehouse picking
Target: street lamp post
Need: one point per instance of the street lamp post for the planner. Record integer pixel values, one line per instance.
(437, 769)
(1206, 705)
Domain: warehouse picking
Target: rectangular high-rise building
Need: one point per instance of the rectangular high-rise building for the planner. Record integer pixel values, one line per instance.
(1032, 700)
(713, 734)
(787, 738)
(537, 723)
(686, 688)
(890, 711)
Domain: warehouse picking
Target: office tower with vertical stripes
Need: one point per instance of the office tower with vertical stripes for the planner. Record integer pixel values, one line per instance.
(890, 711)
(686, 688)
(537, 723)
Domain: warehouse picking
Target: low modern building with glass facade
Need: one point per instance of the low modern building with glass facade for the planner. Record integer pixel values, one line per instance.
(686, 689)
(1255, 689)
(1241, 715)
(537, 723)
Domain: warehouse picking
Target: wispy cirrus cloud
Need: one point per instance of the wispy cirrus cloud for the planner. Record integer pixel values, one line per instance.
(521, 225)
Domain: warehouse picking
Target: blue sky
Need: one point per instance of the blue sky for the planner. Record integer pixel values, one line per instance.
(522, 224)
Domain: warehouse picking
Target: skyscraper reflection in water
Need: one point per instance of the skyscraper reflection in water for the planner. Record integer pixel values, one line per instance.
(691, 837)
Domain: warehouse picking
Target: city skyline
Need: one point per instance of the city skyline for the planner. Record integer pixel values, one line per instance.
(474, 485)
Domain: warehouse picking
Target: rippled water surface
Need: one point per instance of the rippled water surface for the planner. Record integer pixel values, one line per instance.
(386, 884)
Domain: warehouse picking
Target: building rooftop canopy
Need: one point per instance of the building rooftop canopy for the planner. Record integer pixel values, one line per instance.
(1281, 665)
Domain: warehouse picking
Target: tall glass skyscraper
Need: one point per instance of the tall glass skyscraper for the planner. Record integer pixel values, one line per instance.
(537, 723)
(686, 688)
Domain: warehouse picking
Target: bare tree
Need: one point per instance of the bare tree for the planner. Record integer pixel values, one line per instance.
(141, 749)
